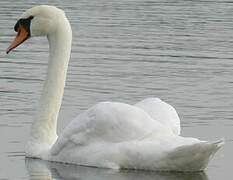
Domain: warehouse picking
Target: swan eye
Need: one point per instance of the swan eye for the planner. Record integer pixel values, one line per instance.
(25, 22)
(22, 27)
(30, 17)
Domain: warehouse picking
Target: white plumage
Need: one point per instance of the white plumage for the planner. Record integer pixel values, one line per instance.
(110, 134)
(117, 135)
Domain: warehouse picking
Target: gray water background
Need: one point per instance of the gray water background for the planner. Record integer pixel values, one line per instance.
(123, 50)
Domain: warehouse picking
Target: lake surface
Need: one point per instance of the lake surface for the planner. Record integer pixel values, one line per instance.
(180, 51)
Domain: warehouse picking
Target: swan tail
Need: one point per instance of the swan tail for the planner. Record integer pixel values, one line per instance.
(194, 157)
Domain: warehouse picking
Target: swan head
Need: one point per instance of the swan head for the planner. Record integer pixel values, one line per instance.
(38, 21)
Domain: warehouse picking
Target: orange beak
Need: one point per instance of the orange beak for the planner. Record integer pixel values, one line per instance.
(22, 35)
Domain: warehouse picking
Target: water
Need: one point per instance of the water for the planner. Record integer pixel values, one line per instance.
(180, 51)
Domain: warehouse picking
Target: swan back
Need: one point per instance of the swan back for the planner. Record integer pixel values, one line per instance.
(162, 112)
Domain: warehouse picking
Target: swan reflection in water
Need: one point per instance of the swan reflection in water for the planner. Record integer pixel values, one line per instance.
(44, 170)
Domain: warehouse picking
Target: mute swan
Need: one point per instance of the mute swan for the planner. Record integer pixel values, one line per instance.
(109, 134)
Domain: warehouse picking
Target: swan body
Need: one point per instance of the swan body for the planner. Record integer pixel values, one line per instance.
(118, 135)
(109, 134)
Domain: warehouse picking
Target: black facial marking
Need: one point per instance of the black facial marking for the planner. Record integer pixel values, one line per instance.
(25, 22)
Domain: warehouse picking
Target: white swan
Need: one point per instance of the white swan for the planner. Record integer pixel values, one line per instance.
(109, 134)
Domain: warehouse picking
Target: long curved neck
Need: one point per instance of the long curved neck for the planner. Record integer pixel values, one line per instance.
(45, 125)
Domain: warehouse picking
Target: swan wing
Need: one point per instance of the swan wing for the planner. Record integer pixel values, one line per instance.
(171, 153)
(162, 112)
(109, 122)
(117, 135)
